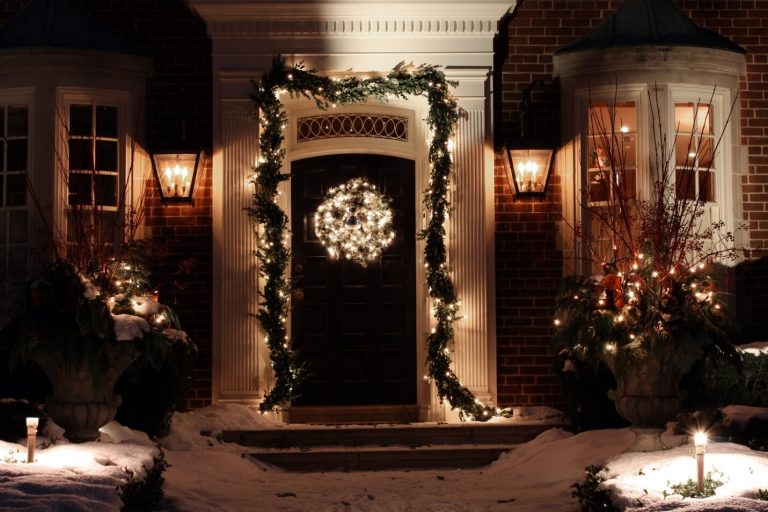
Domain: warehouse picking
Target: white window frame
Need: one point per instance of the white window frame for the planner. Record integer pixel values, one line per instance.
(24, 96)
(127, 155)
(637, 93)
(721, 209)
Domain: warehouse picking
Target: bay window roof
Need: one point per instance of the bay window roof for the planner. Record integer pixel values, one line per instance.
(650, 22)
(61, 24)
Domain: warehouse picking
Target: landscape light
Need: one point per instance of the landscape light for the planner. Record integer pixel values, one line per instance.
(31, 438)
(700, 441)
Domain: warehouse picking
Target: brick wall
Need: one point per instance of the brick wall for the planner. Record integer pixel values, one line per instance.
(528, 265)
(178, 101)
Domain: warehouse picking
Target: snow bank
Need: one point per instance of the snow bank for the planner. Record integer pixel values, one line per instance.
(641, 479)
(741, 414)
(757, 348)
(186, 427)
(74, 477)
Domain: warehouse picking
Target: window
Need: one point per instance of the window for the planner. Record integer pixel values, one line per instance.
(611, 160)
(93, 180)
(14, 163)
(612, 150)
(694, 152)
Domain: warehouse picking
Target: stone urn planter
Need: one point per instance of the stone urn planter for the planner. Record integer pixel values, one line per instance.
(647, 391)
(83, 397)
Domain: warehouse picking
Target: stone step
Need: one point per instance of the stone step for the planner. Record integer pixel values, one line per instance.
(388, 435)
(376, 459)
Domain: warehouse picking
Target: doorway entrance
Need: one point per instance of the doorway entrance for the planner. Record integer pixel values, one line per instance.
(355, 326)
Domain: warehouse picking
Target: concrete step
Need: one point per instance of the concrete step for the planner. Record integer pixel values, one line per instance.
(353, 414)
(418, 434)
(376, 459)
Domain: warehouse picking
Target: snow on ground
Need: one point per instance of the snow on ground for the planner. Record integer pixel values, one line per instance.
(206, 475)
(73, 477)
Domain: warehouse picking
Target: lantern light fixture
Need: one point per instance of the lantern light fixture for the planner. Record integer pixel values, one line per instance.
(176, 175)
(528, 170)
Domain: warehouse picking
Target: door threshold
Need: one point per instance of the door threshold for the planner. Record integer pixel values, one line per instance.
(353, 414)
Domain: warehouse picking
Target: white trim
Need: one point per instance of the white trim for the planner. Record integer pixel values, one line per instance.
(66, 96)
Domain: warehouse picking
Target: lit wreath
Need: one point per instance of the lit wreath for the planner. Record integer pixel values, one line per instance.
(355, 222)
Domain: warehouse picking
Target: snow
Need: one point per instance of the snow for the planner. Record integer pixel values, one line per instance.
(757, 348)
(146, 306)
(176, 335)
(741, 414)
(207, 475)
(129, 327)
(73, 477)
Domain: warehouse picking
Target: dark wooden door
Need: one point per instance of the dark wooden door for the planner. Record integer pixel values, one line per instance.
(356, 326)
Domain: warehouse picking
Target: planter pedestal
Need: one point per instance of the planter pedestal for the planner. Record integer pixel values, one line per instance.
(81, 421)
(647, 395)
(84, 397)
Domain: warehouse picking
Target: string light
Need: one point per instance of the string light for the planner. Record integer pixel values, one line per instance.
(355, 222)
(327, 93)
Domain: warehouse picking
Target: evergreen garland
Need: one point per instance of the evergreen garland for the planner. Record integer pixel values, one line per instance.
(274, 256)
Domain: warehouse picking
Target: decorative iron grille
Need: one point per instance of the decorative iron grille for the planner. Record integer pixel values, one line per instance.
(332, 126)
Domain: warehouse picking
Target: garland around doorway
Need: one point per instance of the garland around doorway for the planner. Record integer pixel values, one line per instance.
(272, 222)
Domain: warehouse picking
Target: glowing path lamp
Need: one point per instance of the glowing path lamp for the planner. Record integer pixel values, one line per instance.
(31, 438)
(700, 441)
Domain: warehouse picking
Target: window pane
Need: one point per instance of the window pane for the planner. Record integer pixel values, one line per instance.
(106, 122)
(17, 155)
(107, 227)
(2, 121)
(693, 118)
(706, 152)
(685, 151)
(628, 183)
(684, 117)
(3, 227)
(80, 120)
(685, 184)
(598, 186)
(17, 122)
(2, 154)
(706, 186)
(621, 118)
(79, 188)
(18, 227)
(629, 148)
(106, 155)
(16, 190)
(80, 157)
(106, 189)
(2, 191)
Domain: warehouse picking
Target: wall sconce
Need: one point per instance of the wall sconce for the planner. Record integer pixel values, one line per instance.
(176, 175)
(528, 170)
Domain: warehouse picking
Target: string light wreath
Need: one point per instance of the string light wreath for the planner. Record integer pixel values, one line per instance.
(272, 222)
(355, 222)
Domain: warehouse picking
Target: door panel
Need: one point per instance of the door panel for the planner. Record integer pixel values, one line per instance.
(356, 326)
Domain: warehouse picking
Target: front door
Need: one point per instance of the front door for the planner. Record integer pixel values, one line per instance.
(356, 326)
